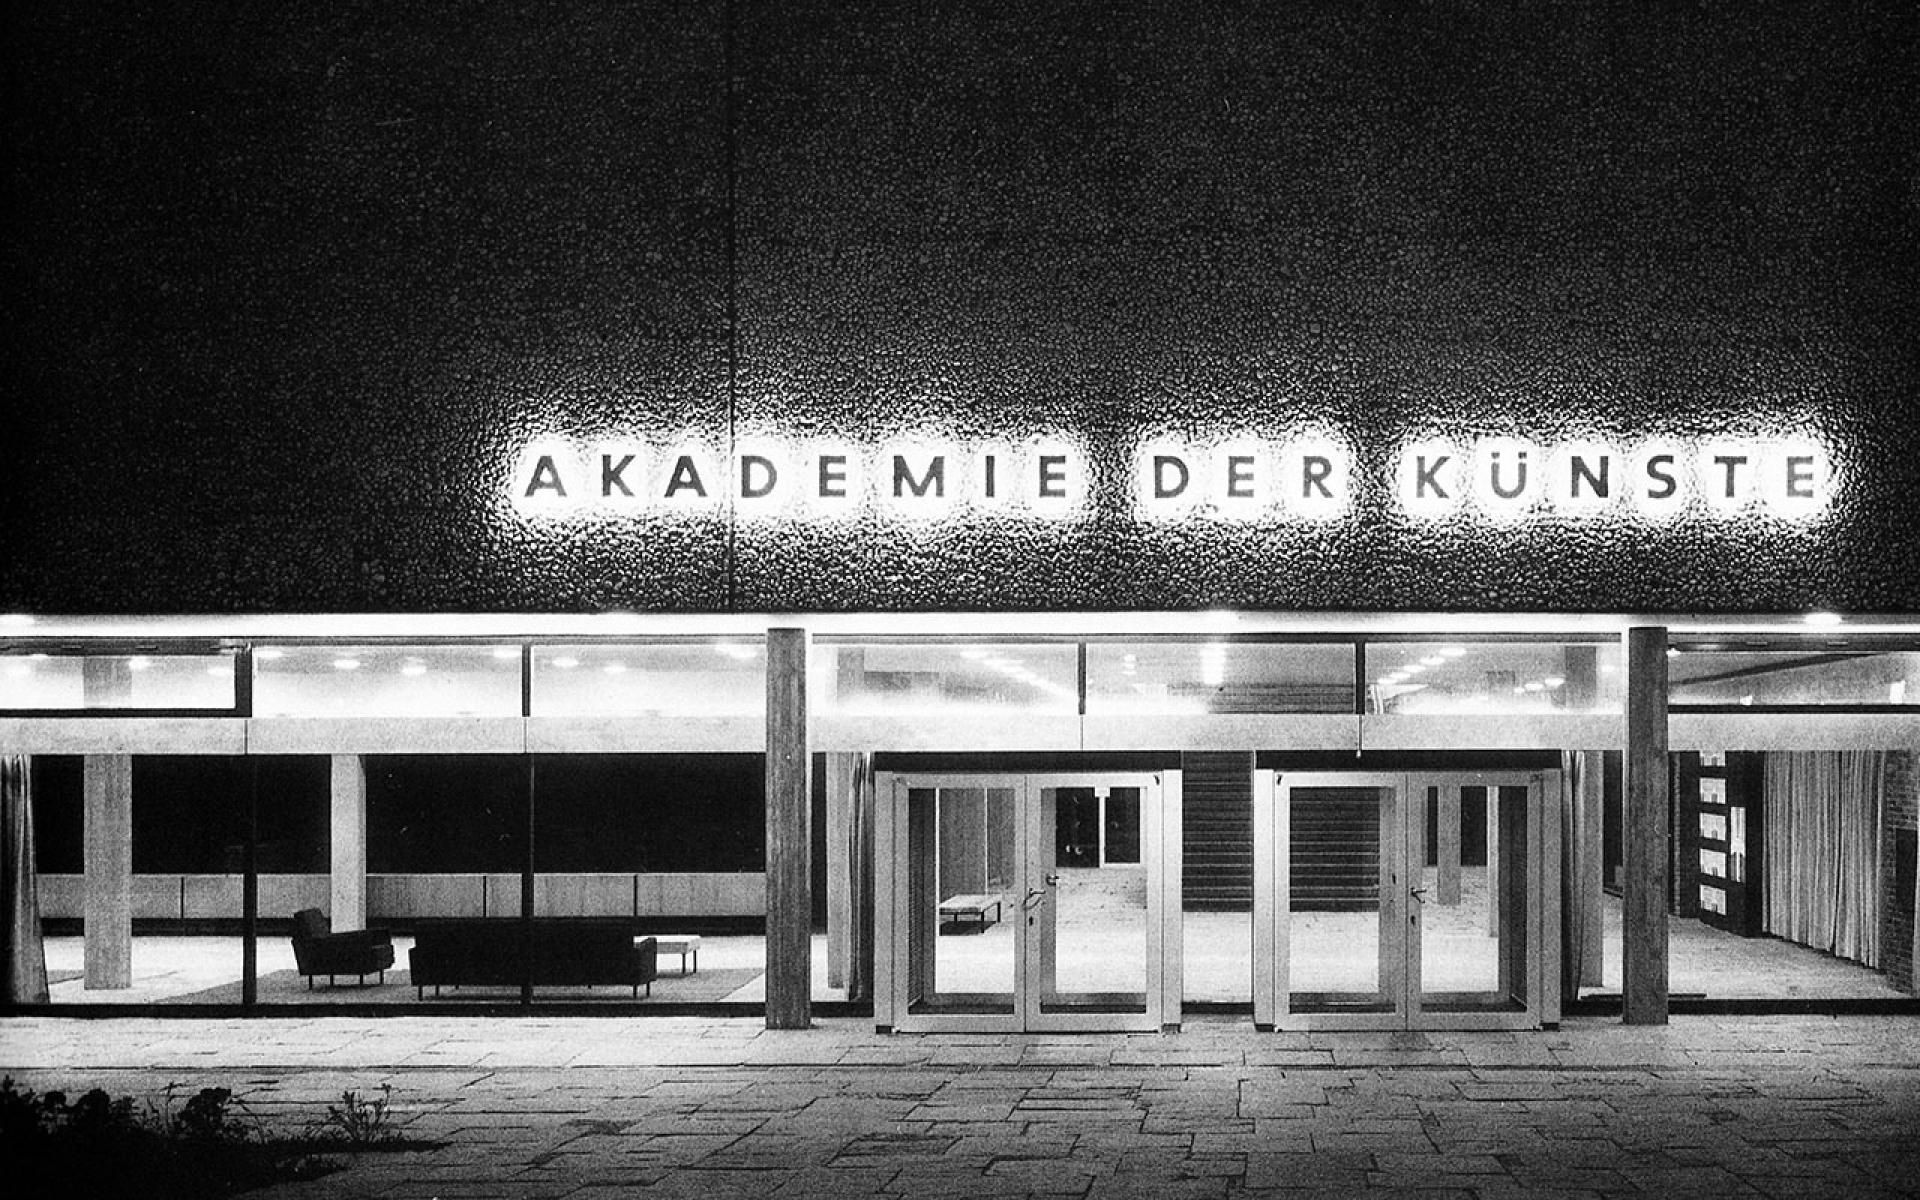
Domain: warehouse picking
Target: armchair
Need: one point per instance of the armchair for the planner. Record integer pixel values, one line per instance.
(317, 950)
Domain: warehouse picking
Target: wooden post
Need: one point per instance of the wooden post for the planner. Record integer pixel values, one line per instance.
(107, 820)
(789, 844)
(1447, 848)
(1643, 953)
(349, 842)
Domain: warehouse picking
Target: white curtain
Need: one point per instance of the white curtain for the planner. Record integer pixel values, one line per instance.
(1823, 828)
(25, 953)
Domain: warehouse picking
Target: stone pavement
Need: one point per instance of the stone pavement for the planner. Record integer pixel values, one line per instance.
(603, 1107)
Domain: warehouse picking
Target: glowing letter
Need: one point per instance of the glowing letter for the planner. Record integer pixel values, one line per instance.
(1162, 490)
(685, 478)
(546, 476)
(610, 474)
(934, 480)
(833, 477)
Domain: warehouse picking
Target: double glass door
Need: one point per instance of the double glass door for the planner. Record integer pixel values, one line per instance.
(1405, 901)
(1016, 902)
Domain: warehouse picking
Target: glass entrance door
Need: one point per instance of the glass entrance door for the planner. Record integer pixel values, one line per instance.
(1386, 900)
(1021, 902)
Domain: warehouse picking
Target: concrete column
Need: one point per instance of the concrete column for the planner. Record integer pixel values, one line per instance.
(1447, 848)
(107, 790)
(1643, 951)
(1493, 862)
(107, 821)
(789, 848)
(840, 771)
(348, 834)
(1589, 892)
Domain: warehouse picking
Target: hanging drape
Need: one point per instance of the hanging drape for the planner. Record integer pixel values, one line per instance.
(1823, 829)
(1580, 870)
(26, 969)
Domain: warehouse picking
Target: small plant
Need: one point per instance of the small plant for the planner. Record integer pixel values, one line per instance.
(200, 1146)
(363, 1122)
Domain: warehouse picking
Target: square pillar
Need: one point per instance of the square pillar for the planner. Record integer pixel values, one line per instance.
(789, 834)
(107, 816)
(1447, 845)
(107, 838)
(1643, 949)
(347, 832)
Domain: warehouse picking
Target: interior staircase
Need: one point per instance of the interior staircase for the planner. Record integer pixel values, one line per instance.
(1217, 818)
(1335, 856)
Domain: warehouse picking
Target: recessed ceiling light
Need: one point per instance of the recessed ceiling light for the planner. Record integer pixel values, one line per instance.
(269, 654)
(566, 662)
(503, 653)
(413, 667)
(346, 664)
(1554, 681)
(1433, 660)
(1454, 651)
(615, 668)
(139, 662)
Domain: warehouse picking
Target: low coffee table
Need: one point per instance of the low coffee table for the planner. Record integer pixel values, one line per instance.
(686, 945)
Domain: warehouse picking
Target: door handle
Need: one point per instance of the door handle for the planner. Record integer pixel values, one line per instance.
(1419, 894)
(1034, 897)
(1053, 881)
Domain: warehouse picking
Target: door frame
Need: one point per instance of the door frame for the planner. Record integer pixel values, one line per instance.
(1160, 839)
(1401, 933)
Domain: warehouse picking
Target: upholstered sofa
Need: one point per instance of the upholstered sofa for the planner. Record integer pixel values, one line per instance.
(567, 952)
(317, 950)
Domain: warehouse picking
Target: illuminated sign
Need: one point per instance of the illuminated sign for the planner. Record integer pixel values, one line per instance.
(1304, 478)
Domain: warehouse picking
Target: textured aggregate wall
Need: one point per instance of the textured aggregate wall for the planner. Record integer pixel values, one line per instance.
(290, 289)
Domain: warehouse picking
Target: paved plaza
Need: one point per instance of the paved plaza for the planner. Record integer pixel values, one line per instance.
(586, 1108)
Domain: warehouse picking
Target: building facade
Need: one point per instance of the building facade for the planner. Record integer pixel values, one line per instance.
(1365, 518)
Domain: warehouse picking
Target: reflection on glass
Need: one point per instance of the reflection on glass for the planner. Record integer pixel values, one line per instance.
(717, 678)
(1334, 896)
(900, 680)
(1473, 910)
(1463, 677)
(1186, 677)
(961, 846)
(388, 681)
(1094, 917)
(1793, 677)
(107, 681)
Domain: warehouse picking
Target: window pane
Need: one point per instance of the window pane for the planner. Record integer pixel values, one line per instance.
(396, 681)
(106, 681)
(1493, 677)
(1218, 677)
(894, 680)
(718, 678)
(1794, 677)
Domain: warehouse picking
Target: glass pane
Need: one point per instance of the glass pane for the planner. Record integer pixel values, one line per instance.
(1218, 677)
(725, 677)
(1093, 952)
(663, 846)
(961, 933)
(1794, 677)
(896, 680)
(1121, 830)
(1473, 914)
(397, 681)
(1493, 677)
(47, 681)
(1333, 860)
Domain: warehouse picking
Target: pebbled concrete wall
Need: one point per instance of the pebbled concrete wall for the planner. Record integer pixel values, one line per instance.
(289, 289)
